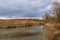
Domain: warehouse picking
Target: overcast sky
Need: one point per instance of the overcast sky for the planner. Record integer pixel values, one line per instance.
(24, 8)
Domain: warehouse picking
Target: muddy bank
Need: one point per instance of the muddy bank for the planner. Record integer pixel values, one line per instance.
(20, 22)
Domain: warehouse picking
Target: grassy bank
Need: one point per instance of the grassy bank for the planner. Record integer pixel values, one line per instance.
(53, 26)
(54, 31)
(20, 23)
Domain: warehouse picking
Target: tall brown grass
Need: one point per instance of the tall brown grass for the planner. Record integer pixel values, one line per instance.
(20, 23)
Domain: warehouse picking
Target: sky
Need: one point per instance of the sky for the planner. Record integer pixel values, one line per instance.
(24, 8)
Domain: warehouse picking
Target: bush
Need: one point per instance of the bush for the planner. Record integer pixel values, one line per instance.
(11, 27)
(28, 25)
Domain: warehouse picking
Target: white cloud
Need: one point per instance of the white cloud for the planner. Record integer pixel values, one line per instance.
(49, 7)
(3, 17)
(7, 18)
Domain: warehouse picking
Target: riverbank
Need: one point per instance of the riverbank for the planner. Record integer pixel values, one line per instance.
(53, 26)
(16, 23)
(54, 33)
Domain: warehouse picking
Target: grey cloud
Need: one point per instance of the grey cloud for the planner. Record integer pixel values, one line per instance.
(23, 8)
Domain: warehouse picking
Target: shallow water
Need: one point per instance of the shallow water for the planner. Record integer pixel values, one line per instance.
(39, 36)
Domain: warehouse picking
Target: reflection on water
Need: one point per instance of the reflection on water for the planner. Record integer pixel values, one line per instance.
(40, 35)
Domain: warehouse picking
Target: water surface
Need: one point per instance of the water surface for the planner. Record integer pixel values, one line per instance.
(41, 30)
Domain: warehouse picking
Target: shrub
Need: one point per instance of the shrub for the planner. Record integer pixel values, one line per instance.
(11, 27)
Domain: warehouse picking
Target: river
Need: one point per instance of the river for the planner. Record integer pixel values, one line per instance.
(40, 31)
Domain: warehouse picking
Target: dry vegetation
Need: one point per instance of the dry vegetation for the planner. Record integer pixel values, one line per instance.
(20, 23)
(53, 23)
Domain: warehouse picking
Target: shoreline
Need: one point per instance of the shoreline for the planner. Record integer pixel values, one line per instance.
(20, 23)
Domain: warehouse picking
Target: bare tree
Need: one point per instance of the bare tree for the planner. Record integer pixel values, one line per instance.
(57, 11)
